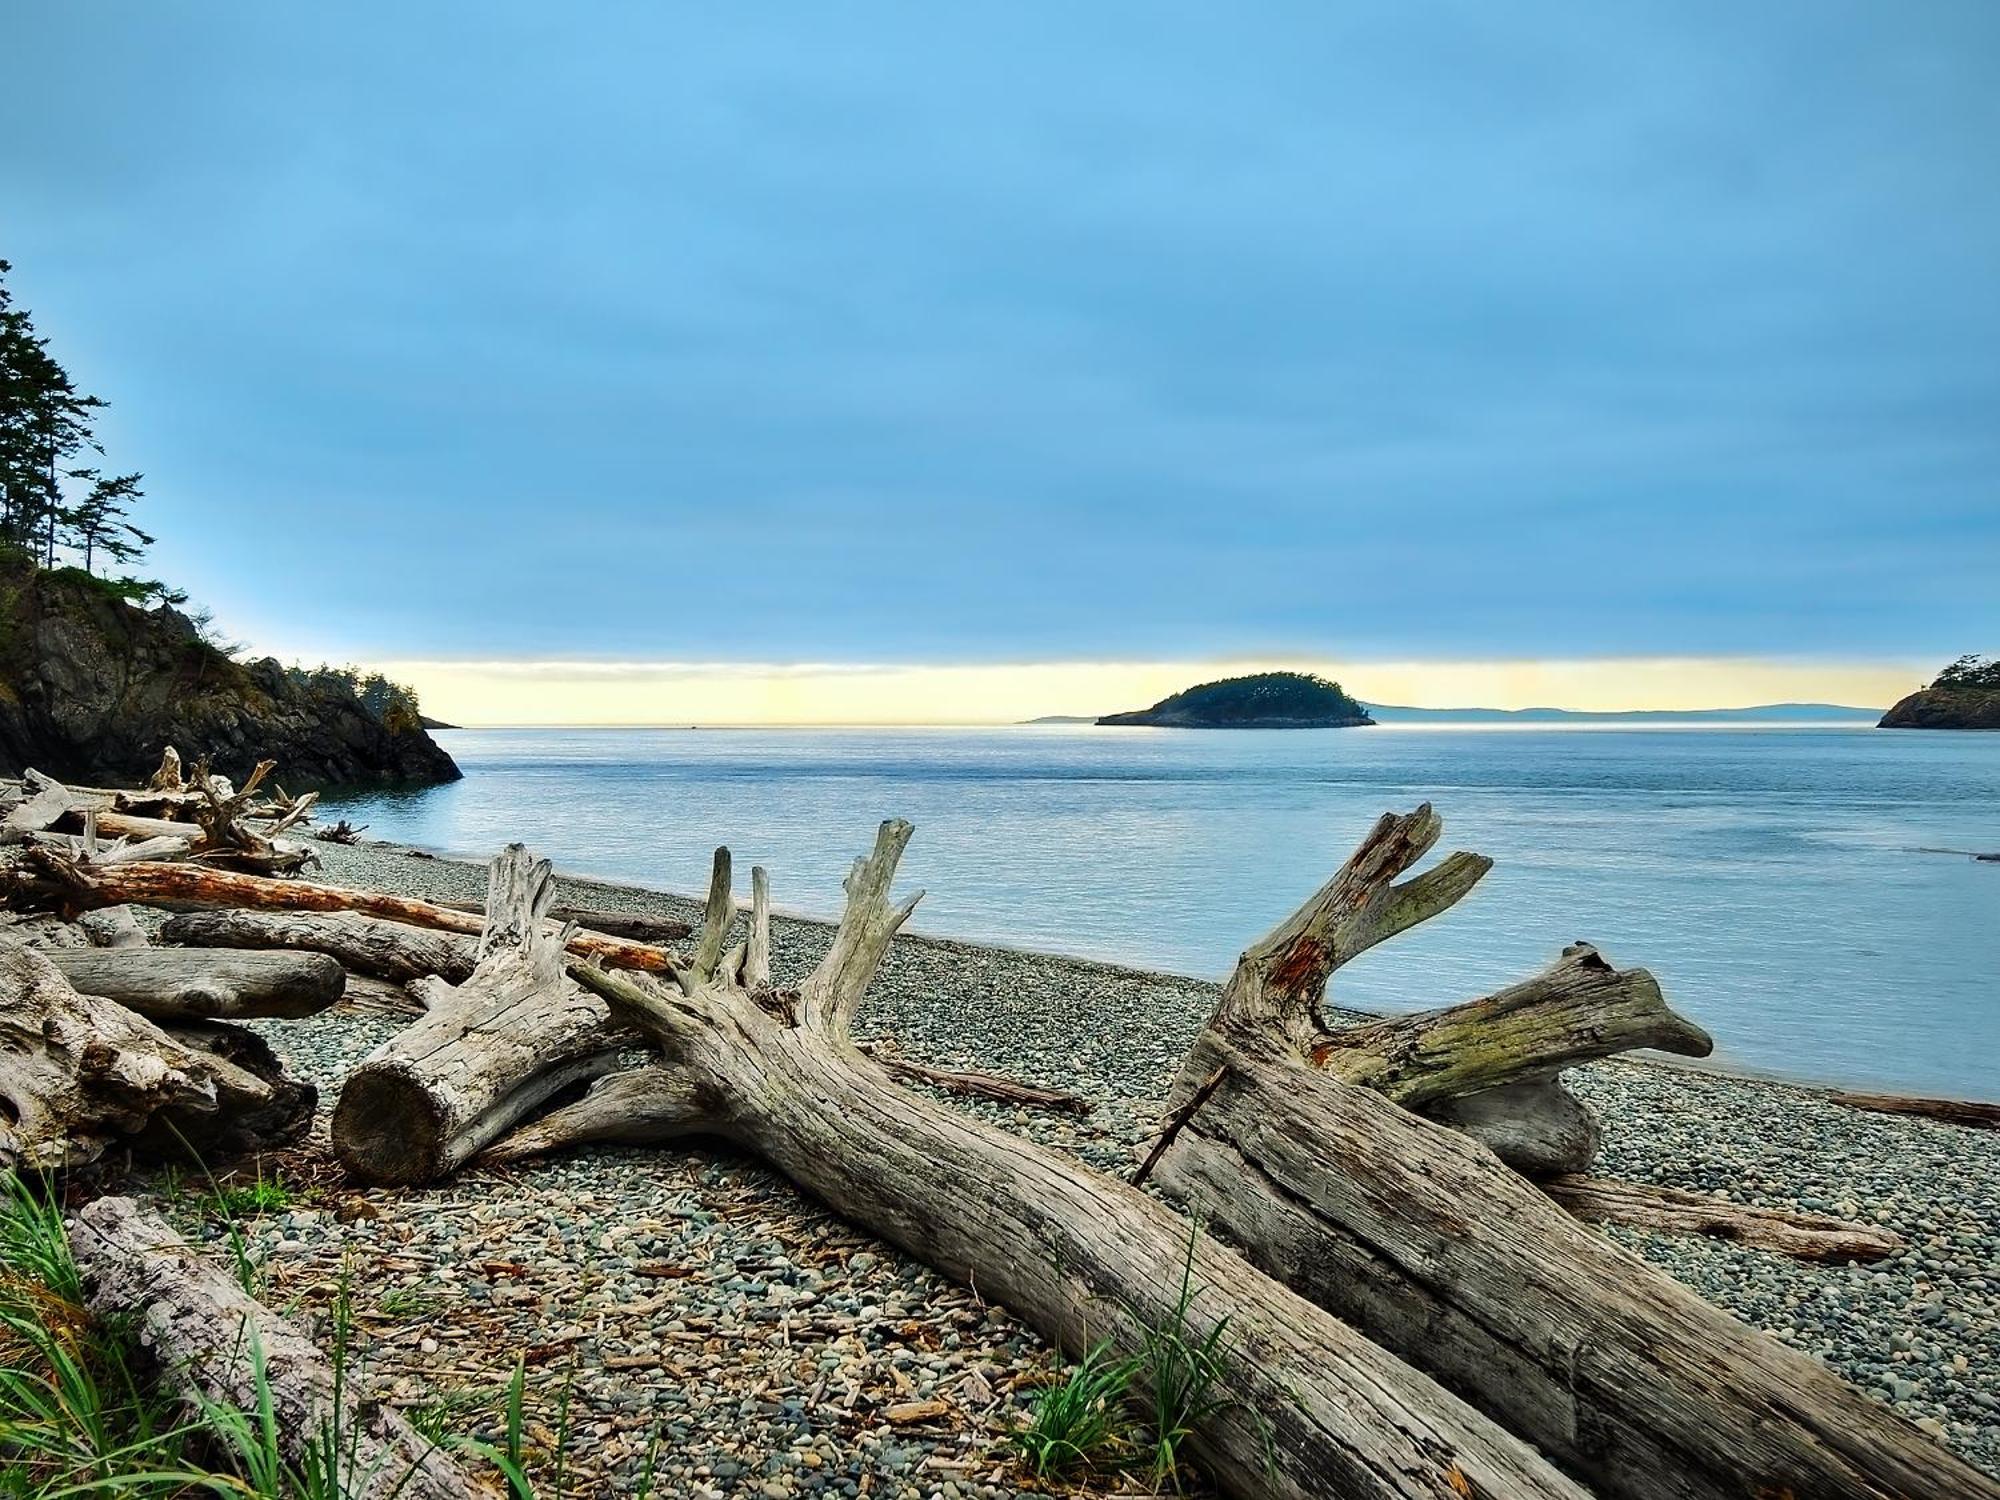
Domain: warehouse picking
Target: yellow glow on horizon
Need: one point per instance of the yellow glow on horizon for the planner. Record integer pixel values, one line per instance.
(609, 692)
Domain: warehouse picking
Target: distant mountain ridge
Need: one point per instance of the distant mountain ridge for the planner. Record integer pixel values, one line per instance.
(1767, 713)
(1762, 713)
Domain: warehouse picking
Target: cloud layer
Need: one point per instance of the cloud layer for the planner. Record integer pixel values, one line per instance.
(913, 334)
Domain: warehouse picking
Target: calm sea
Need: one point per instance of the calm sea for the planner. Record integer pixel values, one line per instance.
(1789, 886)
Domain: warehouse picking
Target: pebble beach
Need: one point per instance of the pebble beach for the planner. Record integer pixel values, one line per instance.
(683, 1313)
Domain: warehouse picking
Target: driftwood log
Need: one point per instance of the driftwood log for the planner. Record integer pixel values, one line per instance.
(57, 877)
(624, 924)
(1306, 1406)
(170, 984)
(1423, 1239)
(78, 1073)
(388, 950)
(487, 1053)
(208, 1336)
(113, 927)
(1974, 1114)
(1803, 1236)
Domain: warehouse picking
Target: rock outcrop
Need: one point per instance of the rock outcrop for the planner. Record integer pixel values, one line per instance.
(1965, 695)
(1946, 708)
(1265, 700)
(91, 688)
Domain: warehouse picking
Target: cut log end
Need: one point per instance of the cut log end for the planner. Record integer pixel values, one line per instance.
(388, 1127)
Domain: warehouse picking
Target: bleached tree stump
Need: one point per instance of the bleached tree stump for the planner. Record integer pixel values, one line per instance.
(487, 1053)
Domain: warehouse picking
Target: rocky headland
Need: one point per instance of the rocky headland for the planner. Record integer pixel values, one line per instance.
(91, 688)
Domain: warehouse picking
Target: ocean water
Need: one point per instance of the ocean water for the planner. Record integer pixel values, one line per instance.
(1791, 887)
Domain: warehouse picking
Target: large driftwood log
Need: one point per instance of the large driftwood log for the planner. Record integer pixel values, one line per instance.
(170, 984)
(78, 1072)
(369, 945)
(516, 1033)
(1666, 1210)
(59, 878)
(1420, 1237)
(1079, 1256)
(210, 1339)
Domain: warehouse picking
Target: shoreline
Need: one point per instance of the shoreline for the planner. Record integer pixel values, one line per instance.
(1719, 1064)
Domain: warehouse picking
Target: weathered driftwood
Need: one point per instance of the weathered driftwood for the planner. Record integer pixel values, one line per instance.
(369, 945)
(1538, 1128)
(624, 924)
(1079, 1256)
(341, 832)
(170, 984)
(113, 927)
(1665, 1210)
(211, 1340)
(977, 1084)
(516, 1033)
(228, 837)
(168, 778)
(44, 803)
(1974, 1114)
(78, 1072)
(1422, 1239)
(57, 877)
(260, 1104)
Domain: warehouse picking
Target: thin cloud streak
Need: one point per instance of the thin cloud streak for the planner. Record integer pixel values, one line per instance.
(663, 693)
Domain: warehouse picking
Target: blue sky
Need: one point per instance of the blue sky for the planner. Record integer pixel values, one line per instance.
(925, 334)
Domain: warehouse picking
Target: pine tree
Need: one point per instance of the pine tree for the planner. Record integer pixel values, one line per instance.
(96, 524)
(46, 422)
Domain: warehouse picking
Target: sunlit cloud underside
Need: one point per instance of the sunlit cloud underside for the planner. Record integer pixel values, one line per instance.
(634, 692)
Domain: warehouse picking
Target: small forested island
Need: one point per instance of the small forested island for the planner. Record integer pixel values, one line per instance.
(1965, 695)
(1264, 700)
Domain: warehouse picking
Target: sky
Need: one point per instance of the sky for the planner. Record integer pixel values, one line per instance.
(657, 362)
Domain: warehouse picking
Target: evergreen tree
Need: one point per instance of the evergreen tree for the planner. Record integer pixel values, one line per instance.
(96, 524)
(45, 423)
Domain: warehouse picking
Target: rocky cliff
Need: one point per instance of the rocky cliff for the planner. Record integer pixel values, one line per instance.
(91, 688)
(1938, 707)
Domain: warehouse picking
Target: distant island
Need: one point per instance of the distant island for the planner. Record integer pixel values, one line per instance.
(1267, 700)
(1965, 695)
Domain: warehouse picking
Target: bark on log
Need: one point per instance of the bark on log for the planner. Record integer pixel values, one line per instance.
(1418, 1236)
(170, 984)
(78, 1072)
(515, 1034)
(394, 951)
(1974, 1114)
(1803, 1236)
(208, 1335)
(186, 887)
(1079, 1256)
